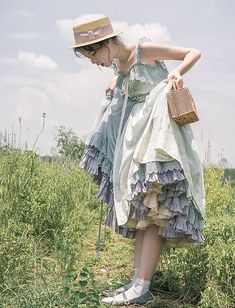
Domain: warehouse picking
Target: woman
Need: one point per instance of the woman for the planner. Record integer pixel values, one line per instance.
(147, 167)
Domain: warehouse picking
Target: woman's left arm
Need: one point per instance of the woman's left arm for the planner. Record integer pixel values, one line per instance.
(154, 51)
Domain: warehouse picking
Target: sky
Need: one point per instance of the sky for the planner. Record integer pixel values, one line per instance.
(39, 74)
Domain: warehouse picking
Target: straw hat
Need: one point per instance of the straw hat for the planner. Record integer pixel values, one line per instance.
(93, 32)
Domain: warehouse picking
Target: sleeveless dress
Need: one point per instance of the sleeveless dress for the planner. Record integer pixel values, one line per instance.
(154, 176)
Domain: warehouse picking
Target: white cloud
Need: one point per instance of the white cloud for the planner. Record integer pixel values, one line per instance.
(154, 31)
(27, 36)
(30, 59)
(65, 26)
(73, 89)
(38, 61)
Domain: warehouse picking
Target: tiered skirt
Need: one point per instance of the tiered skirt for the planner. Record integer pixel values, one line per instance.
(158, 196)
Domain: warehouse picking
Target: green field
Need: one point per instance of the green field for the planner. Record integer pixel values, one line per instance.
(49, 224)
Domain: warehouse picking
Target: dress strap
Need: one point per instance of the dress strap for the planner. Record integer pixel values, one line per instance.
(139, 45)
(138, 48)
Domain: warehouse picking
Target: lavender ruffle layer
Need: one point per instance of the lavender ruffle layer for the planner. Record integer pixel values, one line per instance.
(185, 223)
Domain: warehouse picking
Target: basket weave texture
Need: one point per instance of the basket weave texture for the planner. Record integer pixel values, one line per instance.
(182, 106)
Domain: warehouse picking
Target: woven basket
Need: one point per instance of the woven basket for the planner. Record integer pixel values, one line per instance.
(182, 106)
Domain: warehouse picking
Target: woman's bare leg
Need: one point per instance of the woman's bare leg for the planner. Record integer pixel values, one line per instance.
(150, 253)
(137, 255)
(148, 243)
(138, 247)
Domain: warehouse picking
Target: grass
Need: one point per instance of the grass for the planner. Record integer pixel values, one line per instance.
(49, 223)
(115, 266)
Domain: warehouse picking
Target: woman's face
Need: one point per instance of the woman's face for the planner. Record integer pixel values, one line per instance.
(102, 56)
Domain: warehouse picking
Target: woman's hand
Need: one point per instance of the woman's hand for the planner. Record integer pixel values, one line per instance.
(176, 79)
(111, 86)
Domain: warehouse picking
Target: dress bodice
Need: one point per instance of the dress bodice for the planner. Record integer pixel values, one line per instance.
(143, 77)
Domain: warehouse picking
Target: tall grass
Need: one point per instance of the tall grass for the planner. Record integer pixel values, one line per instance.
(45, 214)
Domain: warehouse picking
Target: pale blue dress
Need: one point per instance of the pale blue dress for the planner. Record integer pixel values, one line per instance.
(158, 188)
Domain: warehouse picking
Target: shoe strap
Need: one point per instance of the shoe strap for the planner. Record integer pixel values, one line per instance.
(125, 299)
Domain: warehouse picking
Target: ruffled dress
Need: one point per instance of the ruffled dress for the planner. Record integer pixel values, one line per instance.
(138, 187)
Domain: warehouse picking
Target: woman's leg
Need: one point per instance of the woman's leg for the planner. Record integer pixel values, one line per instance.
(149, 244)
(136, 265)
(138, 248)
(150, 253)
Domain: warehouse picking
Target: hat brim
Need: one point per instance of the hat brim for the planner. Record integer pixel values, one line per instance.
(96, 40)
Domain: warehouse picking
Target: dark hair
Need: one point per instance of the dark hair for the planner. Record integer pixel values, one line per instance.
(95, 46)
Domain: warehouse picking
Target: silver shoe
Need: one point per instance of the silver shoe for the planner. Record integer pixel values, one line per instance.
(138, 300)
(108, 293)
(111, 301)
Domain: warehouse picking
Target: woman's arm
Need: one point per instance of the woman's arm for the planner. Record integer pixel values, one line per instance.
(154, 51)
